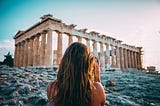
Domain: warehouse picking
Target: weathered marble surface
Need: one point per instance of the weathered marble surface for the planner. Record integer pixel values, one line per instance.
(28, 87)
(24, 86)
(133, 88)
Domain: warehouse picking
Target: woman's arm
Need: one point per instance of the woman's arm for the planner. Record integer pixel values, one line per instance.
(49, 90)
(97, 72)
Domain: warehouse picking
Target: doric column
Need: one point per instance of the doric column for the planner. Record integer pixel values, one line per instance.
(135, 59)
(43, 49)
(139, 58)
(30, 56)
(38, 49)
(95, 51)
(102, 59)
(129, 60)
(138, 61)
(49, 51)
(21, 55)
(70, 40)
(121, 58)
(113, 56)
(22, 62)
(24, 57)
(132, 59)
(18, 55)
(15, 56)
(107, 57)
(79, 39)
(19, 52)
(117, 58)
(35, 50)
(27, 52)
(24, 52)
(125, 59)
(59, 48)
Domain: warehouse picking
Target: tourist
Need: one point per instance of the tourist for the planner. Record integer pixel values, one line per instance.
(76, 84)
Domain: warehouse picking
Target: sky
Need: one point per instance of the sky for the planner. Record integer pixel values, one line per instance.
(135, 22)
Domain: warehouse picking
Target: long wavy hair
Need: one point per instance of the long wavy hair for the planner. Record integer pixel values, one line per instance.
(75, 77)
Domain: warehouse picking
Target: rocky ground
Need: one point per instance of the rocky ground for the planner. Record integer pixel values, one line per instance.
(19, 86)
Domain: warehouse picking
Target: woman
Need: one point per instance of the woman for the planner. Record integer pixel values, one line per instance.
(75, 85)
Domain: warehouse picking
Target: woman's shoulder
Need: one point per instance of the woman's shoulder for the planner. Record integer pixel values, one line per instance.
(100, 90)
(98, 85)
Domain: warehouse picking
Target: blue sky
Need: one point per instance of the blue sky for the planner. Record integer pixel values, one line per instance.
(135, 22)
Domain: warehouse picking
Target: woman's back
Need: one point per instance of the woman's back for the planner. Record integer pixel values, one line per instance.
(75, 84)
(98, 97)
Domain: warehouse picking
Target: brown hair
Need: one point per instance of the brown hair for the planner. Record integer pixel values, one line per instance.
(75, 76)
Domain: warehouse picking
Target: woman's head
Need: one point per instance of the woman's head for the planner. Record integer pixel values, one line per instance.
(75, 76)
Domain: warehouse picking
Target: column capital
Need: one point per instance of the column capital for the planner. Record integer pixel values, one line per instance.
(87, 39)
(58, 32)
(117, 47)
(44, 32)
(32, 37)
(38, 35)
(27, 40)
(23, 41)
(68, 34)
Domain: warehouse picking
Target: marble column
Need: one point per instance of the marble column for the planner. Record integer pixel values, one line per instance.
(18, 54)
(35, 50)
(79, 39)
(107, 57)
(129, 61)
(15, 56)
(117, 57)
(59, 48)
(28, 63)
(27, 52)
(135, 59)
(49, 51)
(30, 56)
(132, 59)
(113, 64)
(43, 49)
(121, 58)
(22, 54)
(138, 61)
(38, 50)
(125, 59)
(95, 51)
(24, 57)
(70, 40)
(102, 59)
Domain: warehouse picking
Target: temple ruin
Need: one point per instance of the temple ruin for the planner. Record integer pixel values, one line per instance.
(34, 46)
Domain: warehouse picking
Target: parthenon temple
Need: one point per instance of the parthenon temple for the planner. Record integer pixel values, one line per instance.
(34, 46)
